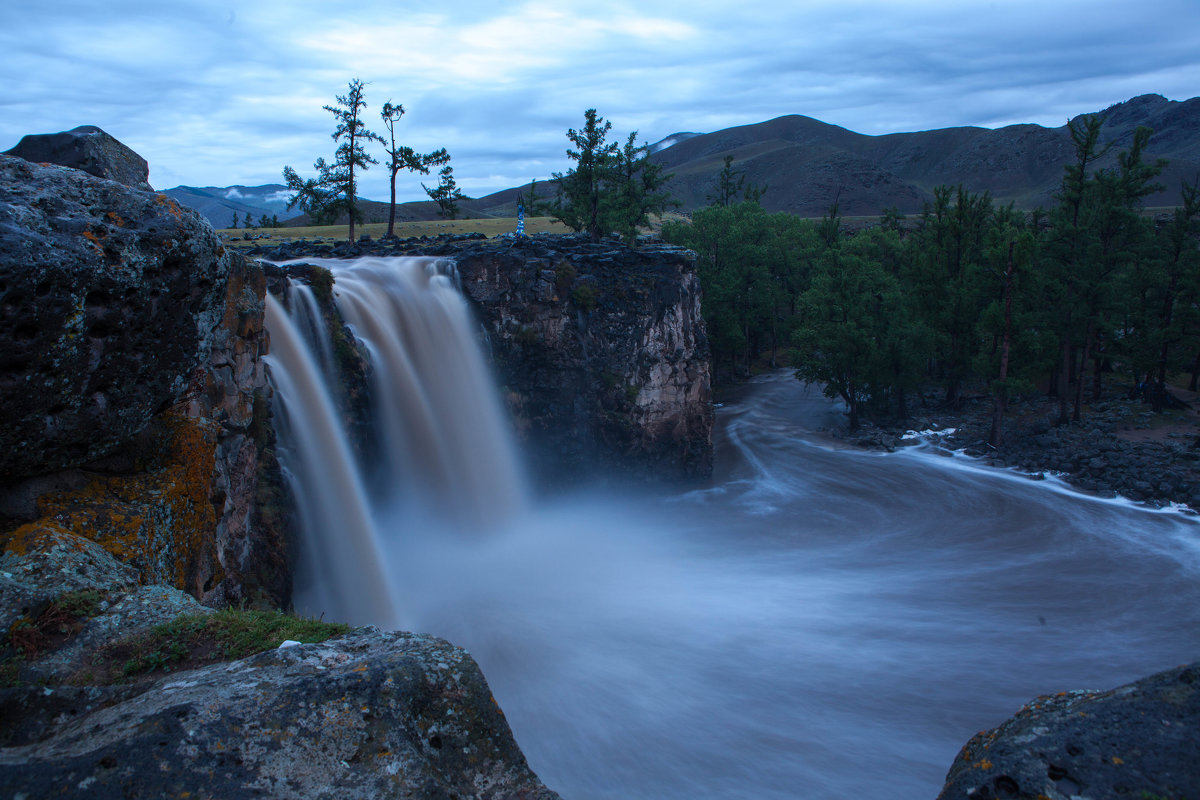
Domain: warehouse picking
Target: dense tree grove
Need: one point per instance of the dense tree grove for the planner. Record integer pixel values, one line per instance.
(610, 189)
(967, 295)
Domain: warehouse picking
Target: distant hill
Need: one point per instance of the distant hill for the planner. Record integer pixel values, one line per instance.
(219, 204)
(806, 163)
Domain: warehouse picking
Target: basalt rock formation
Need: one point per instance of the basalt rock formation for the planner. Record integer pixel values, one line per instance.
(132, 380)
(1138, 740)
(600, 348)
(107, 297)
(86, 148)
(602, 352)
(364, 715)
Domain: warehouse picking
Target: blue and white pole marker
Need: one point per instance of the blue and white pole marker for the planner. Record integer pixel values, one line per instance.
(520, 219)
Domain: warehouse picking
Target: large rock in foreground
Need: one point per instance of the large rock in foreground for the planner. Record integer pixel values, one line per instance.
(366, 715)
(1136, 741)
(107, 298)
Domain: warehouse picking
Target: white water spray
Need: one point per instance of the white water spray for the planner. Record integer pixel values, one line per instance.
(444, 453)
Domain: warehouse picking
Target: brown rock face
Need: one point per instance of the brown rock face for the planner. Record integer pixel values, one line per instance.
(131, 373)
(89, 149)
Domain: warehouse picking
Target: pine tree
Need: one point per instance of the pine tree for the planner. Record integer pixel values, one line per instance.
(579, 191)
(446, 193)
(633, 190)
(403, 157)
(335, 189)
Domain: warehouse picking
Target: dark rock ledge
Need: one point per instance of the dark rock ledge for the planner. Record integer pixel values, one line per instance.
(365, 715)
(1137, 741)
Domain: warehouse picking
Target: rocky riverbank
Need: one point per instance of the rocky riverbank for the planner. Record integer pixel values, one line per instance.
(1118, 448)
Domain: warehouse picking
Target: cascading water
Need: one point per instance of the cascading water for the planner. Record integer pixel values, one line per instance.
(816, 623)
(443, 456)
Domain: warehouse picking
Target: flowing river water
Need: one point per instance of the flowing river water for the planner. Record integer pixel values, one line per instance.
(815, 622)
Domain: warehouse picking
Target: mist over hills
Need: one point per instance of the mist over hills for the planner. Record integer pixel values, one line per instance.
(807, 164)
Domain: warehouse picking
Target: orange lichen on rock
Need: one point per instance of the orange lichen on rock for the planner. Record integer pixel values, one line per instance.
(35, 537)
(161, 520)
(172, 207)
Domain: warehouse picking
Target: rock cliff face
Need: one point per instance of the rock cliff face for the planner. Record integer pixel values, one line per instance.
(107, 296)
(131, 376)
(600, 349)
(1135, 741)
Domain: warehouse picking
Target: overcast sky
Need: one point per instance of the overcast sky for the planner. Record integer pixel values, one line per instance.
(215, 94)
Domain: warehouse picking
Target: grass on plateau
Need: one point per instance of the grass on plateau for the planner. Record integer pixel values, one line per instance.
(488, 227)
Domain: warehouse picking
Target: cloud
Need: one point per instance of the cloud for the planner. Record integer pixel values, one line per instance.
(214, 97)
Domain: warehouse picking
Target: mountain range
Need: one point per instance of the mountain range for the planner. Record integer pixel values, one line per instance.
(806, 164)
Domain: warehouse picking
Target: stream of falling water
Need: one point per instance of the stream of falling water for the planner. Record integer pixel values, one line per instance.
(815, 622)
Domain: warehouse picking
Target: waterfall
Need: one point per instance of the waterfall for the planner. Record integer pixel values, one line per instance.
(442, 455)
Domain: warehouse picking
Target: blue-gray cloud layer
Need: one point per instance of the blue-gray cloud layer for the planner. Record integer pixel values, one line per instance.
(217, 95)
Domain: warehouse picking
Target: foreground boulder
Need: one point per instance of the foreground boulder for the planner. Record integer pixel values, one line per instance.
(1136, 741)
(366, 715)
(107, 299)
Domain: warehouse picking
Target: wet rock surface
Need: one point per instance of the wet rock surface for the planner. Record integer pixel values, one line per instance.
(1136, 741)
(365, 715)
(600, 349)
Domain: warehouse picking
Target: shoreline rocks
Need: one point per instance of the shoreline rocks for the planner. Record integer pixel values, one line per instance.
(1092, 454)
(1137, 741)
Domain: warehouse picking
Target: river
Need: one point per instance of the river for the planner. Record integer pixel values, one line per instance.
(817, 622)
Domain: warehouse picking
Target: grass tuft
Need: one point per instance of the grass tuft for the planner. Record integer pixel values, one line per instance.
(194, 640)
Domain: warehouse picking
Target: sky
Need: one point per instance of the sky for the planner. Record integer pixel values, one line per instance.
(215, 94)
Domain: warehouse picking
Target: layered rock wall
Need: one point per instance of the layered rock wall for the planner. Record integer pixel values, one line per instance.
(602, 353)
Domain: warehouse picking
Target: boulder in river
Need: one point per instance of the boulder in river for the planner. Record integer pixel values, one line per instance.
(1136, 741)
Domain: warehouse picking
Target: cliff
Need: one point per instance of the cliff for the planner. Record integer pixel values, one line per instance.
(139, 481)
(600, 349)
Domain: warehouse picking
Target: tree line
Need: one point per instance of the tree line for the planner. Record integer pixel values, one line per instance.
(334, 190)
(611, 189)
(967, 294)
